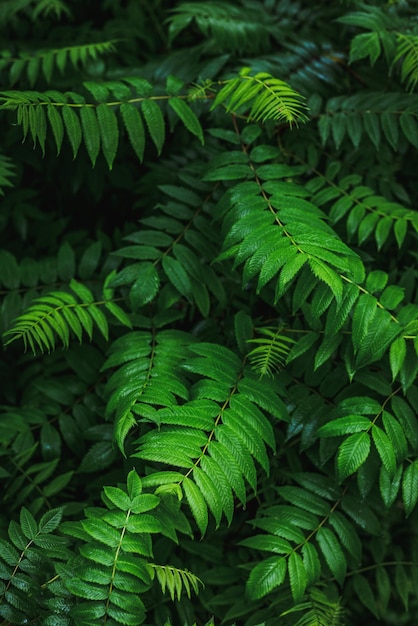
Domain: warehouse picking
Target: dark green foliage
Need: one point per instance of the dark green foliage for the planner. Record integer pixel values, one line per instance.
(209, 313)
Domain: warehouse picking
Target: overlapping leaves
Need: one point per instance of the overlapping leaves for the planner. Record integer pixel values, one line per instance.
(209, 456)
(115, 552)
(177, 246)
(386, 117)
(44, 62)
(368, 428)
(26, 563)
(271, 228)
(97, 124)
(305, 535)
(367, 214)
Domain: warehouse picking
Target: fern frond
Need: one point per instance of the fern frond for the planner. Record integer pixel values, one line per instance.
(204, 438)
(231, 28)
(46, 8)
(318, 610)
(367, 214)
(373, 115)
(149, 375)
(272, 234)
(59, 313)
(175, 580)
(46, 61)
(297, 533)
(269, 97)
(97, 124)
(29, 541)
(407, 50)
(175, 246)
(113, 569)
(272, 351)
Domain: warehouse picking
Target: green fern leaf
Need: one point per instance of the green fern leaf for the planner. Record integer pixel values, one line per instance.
(346, 534)
(332, 552)
(266, 576)
(174, 580)
(91, 134)
(297, 576)
(134, 127)
(272, 98)
(344, 425)
(410, 487)
(311, 563)
(109, 132)
(408, 51)
(352, 453)
(188, 117)
(197, 504)
(57, 125)
(177, 275)
(73, 128)
(155, 123)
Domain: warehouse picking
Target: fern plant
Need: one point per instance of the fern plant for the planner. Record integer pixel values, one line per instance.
(209, 313)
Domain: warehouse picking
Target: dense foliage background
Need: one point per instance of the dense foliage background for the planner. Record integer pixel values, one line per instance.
(210, 313)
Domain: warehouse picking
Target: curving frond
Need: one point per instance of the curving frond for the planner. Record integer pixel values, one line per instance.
(45, 62)
(266, 97)
(271, 352)
(267, 204)
(175, 580)
(148, 374)
(175, 246)
(60, 313)
(201, 443)
(318, 610)
(97, 124)
(407, 50)
(54, 8)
